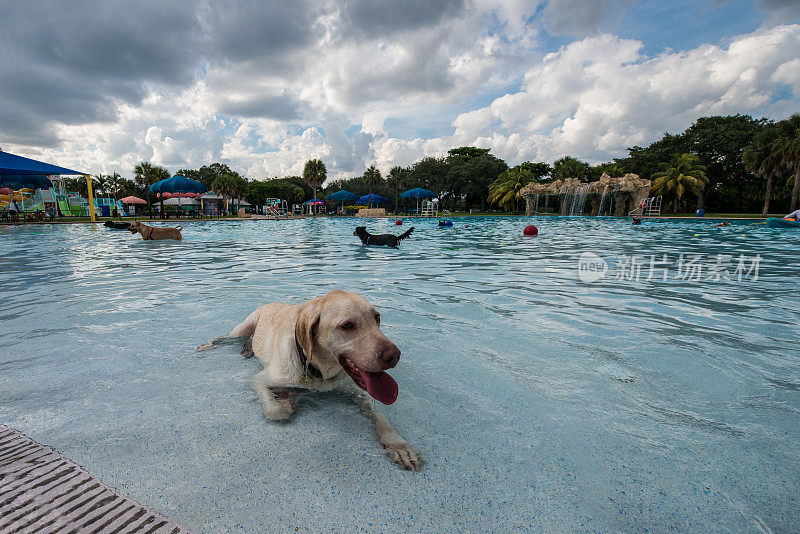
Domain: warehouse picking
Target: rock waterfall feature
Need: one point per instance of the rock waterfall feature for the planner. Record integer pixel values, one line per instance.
(607, 196)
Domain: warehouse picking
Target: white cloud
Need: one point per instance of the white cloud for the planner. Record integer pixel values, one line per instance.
(478, 74)
(597, 96)
(373, 122)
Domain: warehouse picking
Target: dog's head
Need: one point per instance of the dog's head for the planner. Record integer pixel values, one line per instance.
(361, 231)
(342, 329)
(134, 227)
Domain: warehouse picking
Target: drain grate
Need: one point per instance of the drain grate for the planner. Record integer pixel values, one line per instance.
(42, 492)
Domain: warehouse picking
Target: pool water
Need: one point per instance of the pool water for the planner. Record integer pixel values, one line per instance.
(649, 399)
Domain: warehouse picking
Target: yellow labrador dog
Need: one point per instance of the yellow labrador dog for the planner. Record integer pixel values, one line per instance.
(324, 343)
(151, 232)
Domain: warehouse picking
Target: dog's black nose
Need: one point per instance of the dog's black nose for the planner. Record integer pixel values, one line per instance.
(390, 356)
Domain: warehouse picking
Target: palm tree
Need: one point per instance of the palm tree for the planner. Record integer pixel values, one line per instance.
(762, 159)
(240, 188)
(505, 191)
(75, 184)
(569, 167)
(611, 168)
(372, 177)
(142, 172)
(788, 148)
(101, 183)
(397, 180)
(146, 174)
(114, 181)
(225, 185)
(314, 174)
(683, 173)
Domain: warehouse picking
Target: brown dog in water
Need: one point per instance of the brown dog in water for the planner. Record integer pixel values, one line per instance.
(152, 233)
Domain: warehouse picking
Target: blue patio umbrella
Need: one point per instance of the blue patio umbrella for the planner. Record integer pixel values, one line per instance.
(341, 196)
(373, 199)
(177, 184)
(418, 193)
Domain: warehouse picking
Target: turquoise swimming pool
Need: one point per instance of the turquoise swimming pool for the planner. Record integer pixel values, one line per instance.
(599, 376)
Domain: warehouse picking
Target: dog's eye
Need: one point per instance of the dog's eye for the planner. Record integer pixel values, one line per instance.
(347, 326)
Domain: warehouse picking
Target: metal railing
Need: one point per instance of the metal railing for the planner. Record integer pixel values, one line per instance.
(648, 208)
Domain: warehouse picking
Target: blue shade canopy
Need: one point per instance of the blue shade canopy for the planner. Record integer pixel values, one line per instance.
(17, 172)
(178, 184)
(418, 192)
(342, 196)
(17, 165)
(21, 181)
(373, 199)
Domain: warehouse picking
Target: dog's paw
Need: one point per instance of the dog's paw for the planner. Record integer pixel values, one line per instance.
(205, 346)
(280, 410)
(403, 455)
(277, 413)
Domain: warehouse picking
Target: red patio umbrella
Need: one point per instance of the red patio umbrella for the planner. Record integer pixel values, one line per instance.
(133, 200)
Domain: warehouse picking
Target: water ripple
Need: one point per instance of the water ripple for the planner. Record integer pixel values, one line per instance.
(500, 340)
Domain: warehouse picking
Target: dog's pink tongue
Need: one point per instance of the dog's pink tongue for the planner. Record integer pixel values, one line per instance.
(381, 386)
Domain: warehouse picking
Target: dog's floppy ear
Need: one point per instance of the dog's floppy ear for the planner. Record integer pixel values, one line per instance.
(306, 328)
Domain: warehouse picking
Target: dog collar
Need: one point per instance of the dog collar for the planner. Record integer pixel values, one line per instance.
(308, 368)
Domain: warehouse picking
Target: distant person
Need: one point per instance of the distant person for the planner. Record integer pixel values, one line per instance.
(13, 210)
(637, 221)
(726, 223)
(794, 215)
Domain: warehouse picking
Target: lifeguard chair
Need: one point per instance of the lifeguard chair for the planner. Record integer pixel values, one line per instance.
(430, 208)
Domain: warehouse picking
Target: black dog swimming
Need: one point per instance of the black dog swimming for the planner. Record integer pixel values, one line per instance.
(117, 225)
(383, 239)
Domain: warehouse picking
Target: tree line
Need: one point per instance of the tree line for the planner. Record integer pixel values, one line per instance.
(733, 163)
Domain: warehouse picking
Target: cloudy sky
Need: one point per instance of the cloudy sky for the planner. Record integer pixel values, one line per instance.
(99, 85)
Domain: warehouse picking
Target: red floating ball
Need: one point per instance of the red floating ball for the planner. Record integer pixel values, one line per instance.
(531, 230)
(398, 222)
